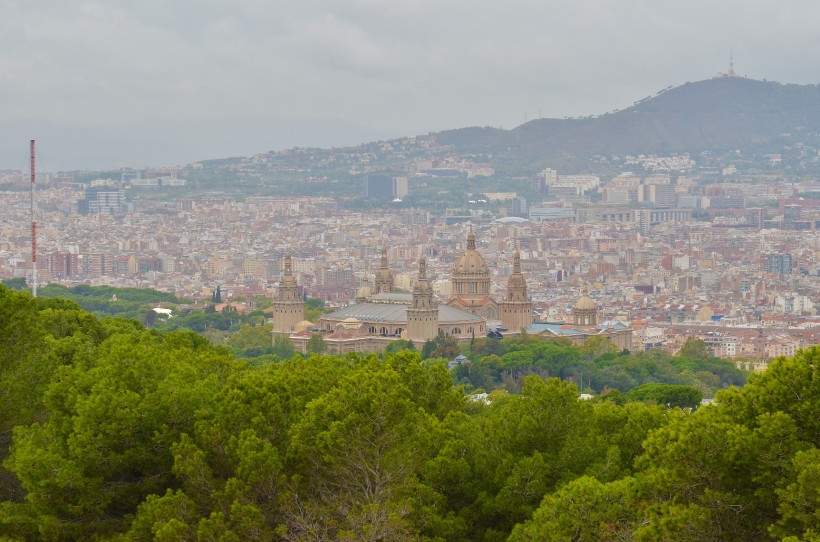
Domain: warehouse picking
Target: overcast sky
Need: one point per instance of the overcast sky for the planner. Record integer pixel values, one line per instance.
(219, 77)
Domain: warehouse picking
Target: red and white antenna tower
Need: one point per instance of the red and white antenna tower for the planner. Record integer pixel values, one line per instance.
(33, 229)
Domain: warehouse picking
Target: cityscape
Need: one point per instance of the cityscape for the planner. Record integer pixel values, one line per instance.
(398, 271)
(671, 251)
(392, 271)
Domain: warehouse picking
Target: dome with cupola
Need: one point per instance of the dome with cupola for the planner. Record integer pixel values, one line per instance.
(471, 262)
(585, 312)
(586, 303)
(470, 283)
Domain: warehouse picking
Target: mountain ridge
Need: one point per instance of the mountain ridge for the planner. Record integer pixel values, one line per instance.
(719, 114)
(714, 114)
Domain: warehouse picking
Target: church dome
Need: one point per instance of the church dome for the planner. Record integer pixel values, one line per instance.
(471, 261)
(470, 281)
(303, 325)
(586, 303)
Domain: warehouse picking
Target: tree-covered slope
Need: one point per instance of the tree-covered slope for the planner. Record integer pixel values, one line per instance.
(124, 433)
(715, 115)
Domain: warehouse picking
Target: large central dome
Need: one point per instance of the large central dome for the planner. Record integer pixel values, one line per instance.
(471, 262)
(470, 280)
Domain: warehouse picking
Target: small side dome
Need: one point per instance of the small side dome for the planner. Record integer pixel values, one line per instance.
(586, 303)
(303, 325)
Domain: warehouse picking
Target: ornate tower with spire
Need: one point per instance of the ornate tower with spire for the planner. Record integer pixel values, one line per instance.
(384, 278)
(288, 307)
(516, 308)
(422, 314)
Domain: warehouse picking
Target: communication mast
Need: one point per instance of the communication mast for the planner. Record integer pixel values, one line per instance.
(33, 229)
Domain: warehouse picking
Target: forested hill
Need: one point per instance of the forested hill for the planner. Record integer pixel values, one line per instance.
(126, 433)
(715, 115)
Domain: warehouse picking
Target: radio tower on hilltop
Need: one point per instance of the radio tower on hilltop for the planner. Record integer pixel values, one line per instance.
(33, 229)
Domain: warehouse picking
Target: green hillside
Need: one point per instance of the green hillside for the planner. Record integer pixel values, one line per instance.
(716, 115)
(110, 431)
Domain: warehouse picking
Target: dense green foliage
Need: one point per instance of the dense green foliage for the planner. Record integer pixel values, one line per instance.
(104, 300)
(596, 366)
(314, 309)
(666, 394)
(126, 433)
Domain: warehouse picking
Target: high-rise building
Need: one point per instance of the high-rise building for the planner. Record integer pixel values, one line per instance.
(339, 278)
(102, 200)
(400, 189)
(63, 265)
(643, 218)
(662, 195)
(518, 207)
(779, 263)
(756, 216)
(378, 186)
(729, 199)
(791, 216)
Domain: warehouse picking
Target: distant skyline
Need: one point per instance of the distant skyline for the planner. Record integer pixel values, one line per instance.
(114, 83)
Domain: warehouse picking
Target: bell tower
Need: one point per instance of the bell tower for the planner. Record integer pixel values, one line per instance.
(384, 278)
(422, 314)
(288, 308)
(516, 308)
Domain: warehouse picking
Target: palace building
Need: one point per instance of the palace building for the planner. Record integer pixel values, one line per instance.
(381, 315)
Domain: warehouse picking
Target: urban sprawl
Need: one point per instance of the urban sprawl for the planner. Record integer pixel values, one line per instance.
(668, 251)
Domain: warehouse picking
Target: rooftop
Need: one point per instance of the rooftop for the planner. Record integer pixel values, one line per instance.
(396, 313)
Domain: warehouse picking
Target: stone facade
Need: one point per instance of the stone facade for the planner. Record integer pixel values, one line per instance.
(422, 315)
(516, 307)
(288, 307)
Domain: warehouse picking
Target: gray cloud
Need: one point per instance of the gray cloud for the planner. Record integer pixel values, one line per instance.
(390, 66)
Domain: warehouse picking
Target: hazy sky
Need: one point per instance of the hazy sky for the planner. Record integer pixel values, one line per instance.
(185, 68)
